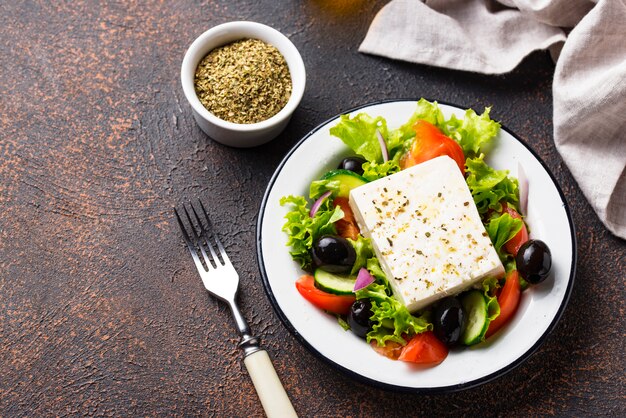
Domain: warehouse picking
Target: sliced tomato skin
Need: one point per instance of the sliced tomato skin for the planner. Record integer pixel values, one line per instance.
(346, 226)
(430, 143)
(332, 303)
(424, 349)
(390, 350)
(508, 299)
(513, 245)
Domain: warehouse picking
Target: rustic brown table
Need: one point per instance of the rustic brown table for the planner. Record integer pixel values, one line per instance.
(101, 309)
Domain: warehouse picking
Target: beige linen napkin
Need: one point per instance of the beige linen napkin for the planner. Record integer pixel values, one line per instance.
(490, 37)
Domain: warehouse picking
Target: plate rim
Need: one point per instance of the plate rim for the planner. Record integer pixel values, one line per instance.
(388, 386)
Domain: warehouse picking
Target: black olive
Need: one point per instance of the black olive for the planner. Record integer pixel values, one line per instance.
(353, 164)
(359, 317)
(449, 321)
(534, 261)
(333, 254)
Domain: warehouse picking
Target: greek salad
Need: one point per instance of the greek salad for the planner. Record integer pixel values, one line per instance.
(414, 242)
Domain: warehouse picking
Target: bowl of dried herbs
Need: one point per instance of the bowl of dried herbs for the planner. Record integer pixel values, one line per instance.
(243, 81)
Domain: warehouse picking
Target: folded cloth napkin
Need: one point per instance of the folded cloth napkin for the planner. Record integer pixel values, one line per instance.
(490, 37)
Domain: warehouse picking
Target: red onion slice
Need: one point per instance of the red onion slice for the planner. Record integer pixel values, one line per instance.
(523, 188)
(363, 279)
(318, 203)
(383, 146)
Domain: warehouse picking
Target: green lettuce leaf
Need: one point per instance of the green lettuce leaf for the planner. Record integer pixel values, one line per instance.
(319, 187)
(490, 187)
(364, 251)
(374, 171)
(302, 230)
(473, 132)
(359, 133)
(501, 228)
(373, 266)
(390, 318)
(489, 289)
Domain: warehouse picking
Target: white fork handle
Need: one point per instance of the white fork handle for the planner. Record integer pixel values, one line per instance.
(267, 384)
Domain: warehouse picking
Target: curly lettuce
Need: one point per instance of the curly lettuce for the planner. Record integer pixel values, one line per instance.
(473, 133)
(374, 171)
(364, 251)
(359, 133)
(501, 229)
(489, 290)
(390, 318)
(490, 187)
(319, 187)
(303, 229)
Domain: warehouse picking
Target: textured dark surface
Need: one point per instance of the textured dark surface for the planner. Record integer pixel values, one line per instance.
(101, 309)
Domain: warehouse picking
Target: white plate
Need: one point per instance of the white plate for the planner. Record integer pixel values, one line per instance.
(540, 308)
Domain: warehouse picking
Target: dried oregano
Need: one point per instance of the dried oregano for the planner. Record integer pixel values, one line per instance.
(246, 81)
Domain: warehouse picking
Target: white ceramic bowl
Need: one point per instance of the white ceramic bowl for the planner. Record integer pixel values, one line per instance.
(236, 134)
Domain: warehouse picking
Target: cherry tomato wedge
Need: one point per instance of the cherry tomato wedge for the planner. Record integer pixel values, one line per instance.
(424, 349)
(390, 350)
(346, 226)
(508, 299)
(429, 143)
(326, 301)
(513, 245)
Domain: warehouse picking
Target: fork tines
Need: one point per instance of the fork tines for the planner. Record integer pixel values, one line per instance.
(202, 236)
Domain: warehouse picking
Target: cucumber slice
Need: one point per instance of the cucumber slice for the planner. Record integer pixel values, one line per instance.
(475, 308)
(334, 283)
(347, 179)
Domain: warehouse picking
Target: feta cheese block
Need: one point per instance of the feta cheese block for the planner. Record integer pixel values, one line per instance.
(426, 232)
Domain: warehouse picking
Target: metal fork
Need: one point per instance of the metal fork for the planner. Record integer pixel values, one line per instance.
(221, 280)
